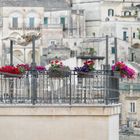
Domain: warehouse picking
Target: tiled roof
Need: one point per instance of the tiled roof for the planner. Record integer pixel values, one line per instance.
(47, 4)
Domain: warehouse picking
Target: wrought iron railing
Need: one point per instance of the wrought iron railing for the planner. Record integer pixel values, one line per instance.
(100, 87)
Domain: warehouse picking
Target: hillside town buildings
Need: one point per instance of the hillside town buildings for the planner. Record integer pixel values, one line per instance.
(78, 24)
(68, 28)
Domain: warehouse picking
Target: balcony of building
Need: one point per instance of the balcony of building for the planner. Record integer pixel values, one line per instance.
(56, 26)
(126, 18)
(59, 26)
(25, 27)
(97, 88)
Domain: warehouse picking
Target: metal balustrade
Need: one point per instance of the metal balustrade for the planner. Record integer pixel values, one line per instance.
(100, 87)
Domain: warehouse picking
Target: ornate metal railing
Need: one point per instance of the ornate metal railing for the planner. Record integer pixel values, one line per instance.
(100, 87)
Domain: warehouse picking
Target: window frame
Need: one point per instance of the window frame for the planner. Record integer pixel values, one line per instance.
(127, 13)
(14, 22)
(110, 12)
(132, 108)
(32, 24)
(134, 35)
(113, 50)
(125, 37)
(46, 20)
(63, 24)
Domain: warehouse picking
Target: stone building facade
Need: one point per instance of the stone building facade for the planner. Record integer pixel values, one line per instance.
(115, 18)
(130, 100)
(19, 21)
(59, 26)
(80, 23)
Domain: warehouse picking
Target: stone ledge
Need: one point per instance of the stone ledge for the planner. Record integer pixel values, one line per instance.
(59, 110)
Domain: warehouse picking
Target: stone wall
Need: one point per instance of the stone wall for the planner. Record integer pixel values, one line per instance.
(59, 122)
(129, 137)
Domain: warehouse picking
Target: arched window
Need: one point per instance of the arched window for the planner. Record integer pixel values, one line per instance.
(62, 21)
(16, 19)
(32, 19)
(127, 13)
(110, 12)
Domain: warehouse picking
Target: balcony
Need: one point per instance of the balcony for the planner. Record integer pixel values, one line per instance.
(25, 28)
(55, 26)
(98, 88)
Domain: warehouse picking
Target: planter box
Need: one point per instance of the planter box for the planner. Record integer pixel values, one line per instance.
(58, 73)
(117, 74)
(9, 75)
(85, 75)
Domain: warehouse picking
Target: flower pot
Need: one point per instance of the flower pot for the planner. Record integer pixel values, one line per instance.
(10, 75)
(58, 73)
(117, 74)
(85, 75)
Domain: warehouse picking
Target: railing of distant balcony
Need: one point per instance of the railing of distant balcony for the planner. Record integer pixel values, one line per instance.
(53, 26)
(99, 88)
(24, 27)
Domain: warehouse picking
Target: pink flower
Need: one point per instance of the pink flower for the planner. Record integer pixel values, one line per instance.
(56, 61)
(125, 71)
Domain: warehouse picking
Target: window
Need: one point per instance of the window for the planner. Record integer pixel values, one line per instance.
(132, 107)
(110, 12)
(46, 20)
(62, 21)
(124, 35)
(138, 35)
(113, 61)
(136, 13)
(15, 22)
(52, 42)
(31, 22)
(75, 44)
(93, 34)
(113, 50)
(134, 35)
(127, 13)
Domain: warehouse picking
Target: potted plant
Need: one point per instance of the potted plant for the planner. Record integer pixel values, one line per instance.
(92, 51)
(23, 67)
(58, 70)
(28, 68)
(86, 69)
(40, 69)
(12, 71)
(123, 70)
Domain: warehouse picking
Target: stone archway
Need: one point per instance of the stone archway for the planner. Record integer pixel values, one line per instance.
(36, 57)
(136, 45)
(19, 55)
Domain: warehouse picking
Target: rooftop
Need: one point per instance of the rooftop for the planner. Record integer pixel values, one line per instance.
(47, 4)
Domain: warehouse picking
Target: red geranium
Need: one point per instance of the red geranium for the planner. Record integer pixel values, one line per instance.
(10, 69)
